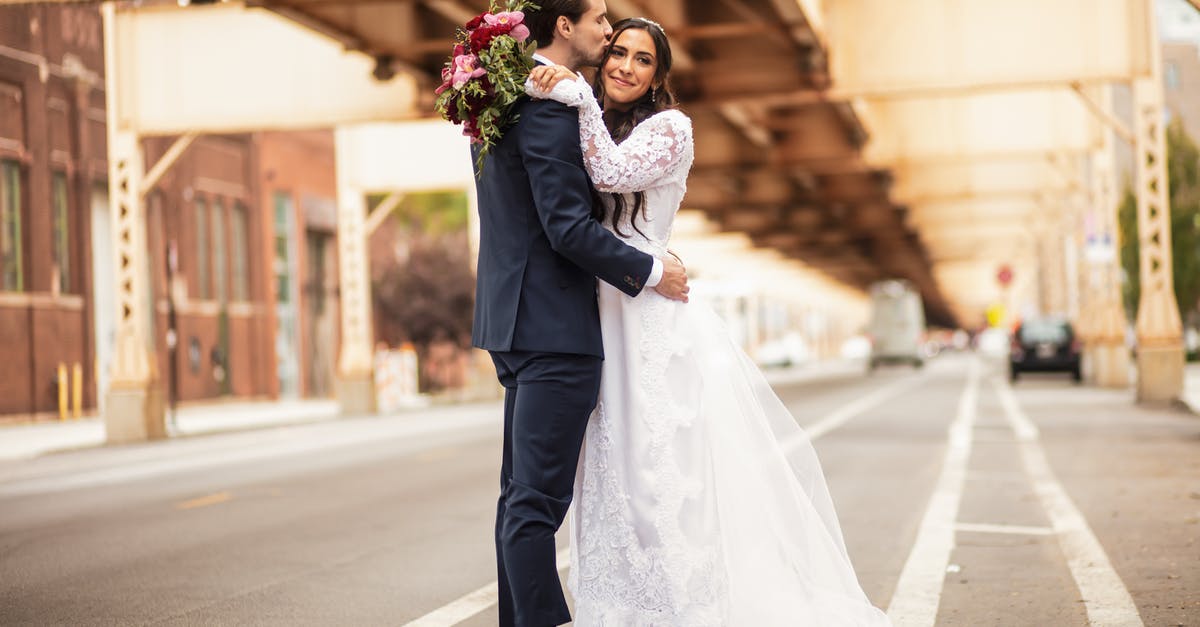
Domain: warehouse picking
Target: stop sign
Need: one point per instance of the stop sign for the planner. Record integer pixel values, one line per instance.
(1004, 275)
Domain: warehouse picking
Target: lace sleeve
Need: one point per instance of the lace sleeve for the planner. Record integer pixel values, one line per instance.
(649, 155)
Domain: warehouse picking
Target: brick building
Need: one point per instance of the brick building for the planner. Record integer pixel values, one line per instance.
(240, 232)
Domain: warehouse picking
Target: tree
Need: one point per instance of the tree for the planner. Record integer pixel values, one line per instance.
(422, 279)
(1183, 168)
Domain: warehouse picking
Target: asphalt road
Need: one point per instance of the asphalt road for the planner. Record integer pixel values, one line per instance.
(963, 502)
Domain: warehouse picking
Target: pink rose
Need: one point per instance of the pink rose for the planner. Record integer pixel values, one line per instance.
(508, 19)
(465, 69)
(520, 32)
(447, 80)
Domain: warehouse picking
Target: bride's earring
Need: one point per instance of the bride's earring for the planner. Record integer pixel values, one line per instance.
(653, 95)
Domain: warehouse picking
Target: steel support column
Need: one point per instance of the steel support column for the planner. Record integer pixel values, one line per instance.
(134, 408)
(1159, 329)
(356, 372)
(1106, 350)
(1160, 358)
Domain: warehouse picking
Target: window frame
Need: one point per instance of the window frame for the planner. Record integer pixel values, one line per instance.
(13, 198)
(203, 249)
(220, 251)
(60, 231)
(240, 245)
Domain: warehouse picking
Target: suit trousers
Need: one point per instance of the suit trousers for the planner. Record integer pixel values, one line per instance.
(548, 398)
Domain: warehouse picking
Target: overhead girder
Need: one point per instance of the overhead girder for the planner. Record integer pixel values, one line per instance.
(1103, 46)
(768, 140)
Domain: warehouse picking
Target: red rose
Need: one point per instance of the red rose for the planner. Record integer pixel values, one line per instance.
(481, 38)
(475, 22)
(459, 50)
(471, 129)
(476, 104)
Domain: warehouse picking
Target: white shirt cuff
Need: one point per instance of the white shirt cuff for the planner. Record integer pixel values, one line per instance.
(656, 273)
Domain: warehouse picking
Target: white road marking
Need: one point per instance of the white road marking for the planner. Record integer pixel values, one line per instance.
(1105, 596)
(1011, 529)
(844, 414)
(472, 603)
(919, 590)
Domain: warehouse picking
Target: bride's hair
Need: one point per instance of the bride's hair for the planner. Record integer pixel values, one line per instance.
(621, 123)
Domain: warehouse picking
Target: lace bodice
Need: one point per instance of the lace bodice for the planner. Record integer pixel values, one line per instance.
(655, 159)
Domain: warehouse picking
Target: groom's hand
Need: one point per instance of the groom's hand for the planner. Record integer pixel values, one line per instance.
(674, 280)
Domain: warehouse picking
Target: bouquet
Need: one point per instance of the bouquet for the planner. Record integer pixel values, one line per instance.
(486, 74)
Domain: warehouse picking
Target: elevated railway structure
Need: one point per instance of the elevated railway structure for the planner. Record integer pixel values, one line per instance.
(932, 140)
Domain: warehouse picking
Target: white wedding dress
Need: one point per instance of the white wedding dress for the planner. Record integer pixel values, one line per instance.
(698, 500)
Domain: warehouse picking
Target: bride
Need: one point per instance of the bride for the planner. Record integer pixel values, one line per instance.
(698, 499)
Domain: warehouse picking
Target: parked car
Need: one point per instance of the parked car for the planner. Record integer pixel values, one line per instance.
(784, 352)
(1045, 345)
(897, 324)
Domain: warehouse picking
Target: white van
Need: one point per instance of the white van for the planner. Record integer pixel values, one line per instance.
(897, 323)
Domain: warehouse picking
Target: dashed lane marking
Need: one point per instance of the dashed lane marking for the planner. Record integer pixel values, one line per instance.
(205, 501)
(1011, 529)
(844, 414)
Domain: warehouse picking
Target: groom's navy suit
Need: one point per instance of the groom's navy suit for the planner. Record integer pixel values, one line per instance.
(540, 252)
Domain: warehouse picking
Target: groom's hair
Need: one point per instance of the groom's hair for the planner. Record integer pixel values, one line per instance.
(543, 20)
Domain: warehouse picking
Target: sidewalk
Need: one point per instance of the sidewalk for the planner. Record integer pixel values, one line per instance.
(1191, 386)
(25, 441)
(816, 371)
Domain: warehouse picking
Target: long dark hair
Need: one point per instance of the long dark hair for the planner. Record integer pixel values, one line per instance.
(621, 123)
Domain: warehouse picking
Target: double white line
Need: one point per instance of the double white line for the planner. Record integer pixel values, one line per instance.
(918, 593)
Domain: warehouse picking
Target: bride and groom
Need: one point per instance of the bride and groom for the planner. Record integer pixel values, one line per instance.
(624, 401)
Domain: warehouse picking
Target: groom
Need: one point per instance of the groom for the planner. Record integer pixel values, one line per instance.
(540, 253)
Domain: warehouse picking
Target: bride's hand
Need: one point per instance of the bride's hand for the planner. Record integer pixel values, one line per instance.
(555, 82)
(545, 77)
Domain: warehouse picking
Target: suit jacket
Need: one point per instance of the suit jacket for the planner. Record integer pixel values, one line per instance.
(540, 250)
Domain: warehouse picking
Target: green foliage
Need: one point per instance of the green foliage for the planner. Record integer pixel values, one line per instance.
(1183, 168)
(433, 213)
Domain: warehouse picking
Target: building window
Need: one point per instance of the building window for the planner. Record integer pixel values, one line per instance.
(62, 231)
(241, 263)
(220, 260)
(203, 286)
(11, 271)
(1171, 75)
(283, 226)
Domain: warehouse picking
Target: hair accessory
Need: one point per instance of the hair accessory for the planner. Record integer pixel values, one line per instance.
(652, 23)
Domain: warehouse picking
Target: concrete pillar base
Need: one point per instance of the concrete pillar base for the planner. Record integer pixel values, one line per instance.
(356, 394)
(1160, 374)
(1087, 363)
(1110, 365)
(134, 415)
